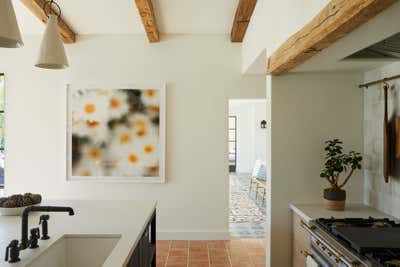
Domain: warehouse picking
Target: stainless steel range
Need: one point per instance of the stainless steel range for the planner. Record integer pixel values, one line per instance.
(355, 242)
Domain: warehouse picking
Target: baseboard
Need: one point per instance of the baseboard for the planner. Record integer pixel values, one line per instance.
(181, 235)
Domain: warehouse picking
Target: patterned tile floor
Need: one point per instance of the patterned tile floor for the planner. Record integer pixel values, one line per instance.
(248, 229)
(229, 253)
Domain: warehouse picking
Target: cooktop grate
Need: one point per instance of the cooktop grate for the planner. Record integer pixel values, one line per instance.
(376, 239)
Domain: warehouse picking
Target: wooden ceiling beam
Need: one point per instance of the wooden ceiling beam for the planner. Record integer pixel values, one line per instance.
(337, 19)
(36, 7)
(241, 21)
(146, 12)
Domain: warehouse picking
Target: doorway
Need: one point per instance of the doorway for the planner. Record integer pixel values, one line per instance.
(247, 138)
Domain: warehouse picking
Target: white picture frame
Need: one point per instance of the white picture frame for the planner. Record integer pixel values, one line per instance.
(162, 131)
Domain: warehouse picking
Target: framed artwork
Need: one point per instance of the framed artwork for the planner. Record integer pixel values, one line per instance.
(116, 133)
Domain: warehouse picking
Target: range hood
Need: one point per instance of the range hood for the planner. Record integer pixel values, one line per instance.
(387, 49)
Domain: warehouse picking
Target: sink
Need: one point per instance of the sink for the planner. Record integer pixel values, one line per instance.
(77, 251)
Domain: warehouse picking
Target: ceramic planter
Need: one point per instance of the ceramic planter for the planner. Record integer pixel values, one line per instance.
(334, 199)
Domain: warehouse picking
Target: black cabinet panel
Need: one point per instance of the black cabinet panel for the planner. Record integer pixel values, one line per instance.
(144, 254)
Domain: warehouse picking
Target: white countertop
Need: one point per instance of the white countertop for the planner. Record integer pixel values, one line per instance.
(125, 218)
(353, 210)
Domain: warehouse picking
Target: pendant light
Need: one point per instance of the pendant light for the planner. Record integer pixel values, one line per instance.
(10, 36)
(52, 53)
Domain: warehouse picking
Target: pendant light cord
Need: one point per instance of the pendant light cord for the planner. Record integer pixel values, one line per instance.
(50, 4)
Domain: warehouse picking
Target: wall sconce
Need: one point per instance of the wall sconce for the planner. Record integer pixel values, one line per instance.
(263, 124)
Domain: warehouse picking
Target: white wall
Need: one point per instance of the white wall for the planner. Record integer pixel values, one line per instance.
(280, 27)
(308, 109)
(201, 73)
(260, 136)
(377, 193)
(271, 24)
(254, 42)
(251, 139)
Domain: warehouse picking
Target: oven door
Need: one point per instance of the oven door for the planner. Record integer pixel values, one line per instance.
(330, 252)
(324, 256)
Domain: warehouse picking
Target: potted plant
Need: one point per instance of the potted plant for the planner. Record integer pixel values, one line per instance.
(337, 163)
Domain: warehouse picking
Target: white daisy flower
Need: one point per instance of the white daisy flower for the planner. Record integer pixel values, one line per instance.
(120, 141)
(122, 136)
(148, 149)
(89, 105)
(142, 125)
(87, 168)
(151, 97)
(96, 131)
(128, 163)
(89, 163)
(117, 104)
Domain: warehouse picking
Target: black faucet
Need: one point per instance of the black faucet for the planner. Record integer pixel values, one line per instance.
(14, 248)
(24, 230)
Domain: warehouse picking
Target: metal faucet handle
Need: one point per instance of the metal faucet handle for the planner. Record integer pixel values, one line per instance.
(35, 235)
(45, 228)
(35, 232)
(12, 252)
(44, 217)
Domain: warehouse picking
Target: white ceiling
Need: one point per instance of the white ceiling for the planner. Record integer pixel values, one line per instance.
(122, 17)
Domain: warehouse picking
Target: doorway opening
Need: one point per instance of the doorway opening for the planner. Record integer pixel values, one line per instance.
(247, 141)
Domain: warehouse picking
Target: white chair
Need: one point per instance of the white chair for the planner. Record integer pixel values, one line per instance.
(255, 172)
(258, 177)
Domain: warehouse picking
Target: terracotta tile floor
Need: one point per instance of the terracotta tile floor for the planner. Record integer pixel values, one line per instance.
(219, 253)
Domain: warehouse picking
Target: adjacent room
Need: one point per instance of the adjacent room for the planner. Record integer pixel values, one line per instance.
(247, 138)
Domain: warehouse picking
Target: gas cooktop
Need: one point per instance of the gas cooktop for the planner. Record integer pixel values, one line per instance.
(376, 239)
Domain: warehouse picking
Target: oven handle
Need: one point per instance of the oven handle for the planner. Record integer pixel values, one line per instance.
(310, 230)
(316, 257)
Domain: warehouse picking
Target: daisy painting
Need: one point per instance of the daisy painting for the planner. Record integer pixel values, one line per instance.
(116, 133)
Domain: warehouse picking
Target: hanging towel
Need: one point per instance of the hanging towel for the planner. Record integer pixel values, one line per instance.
(311, 262)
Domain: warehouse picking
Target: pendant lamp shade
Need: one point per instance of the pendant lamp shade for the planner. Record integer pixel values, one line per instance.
(52, 53)
(10, 36)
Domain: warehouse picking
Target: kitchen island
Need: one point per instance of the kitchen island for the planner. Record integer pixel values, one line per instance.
(125, 221)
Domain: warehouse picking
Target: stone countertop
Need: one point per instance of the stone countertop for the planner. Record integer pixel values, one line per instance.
(125, 218)
(310, 212)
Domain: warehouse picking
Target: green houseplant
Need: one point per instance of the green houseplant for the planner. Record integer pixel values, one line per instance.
(337, 163)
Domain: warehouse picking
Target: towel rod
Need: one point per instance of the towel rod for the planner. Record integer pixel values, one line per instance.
(378, 81)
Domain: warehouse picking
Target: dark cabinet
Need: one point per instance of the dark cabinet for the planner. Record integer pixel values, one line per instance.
(144, 254)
